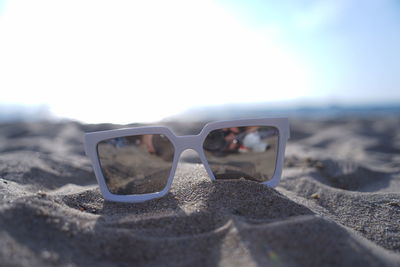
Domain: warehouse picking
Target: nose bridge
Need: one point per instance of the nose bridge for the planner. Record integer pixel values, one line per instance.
(189, 142)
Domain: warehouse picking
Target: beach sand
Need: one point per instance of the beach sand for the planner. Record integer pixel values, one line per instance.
(338, 203)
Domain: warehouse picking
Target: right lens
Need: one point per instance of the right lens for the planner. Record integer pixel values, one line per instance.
(242, 152)
(138, 164)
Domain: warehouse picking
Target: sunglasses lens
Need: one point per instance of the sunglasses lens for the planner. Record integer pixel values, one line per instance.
(138, 164)
(243, 152)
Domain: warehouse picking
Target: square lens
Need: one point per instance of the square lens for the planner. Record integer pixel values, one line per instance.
(242, 152)
(137, 164)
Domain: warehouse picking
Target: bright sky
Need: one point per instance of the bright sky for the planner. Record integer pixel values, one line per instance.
(128, 61)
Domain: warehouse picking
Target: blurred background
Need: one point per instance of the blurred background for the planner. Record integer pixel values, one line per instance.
(145, 61)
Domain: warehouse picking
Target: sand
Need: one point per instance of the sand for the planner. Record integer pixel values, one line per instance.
(338, 204)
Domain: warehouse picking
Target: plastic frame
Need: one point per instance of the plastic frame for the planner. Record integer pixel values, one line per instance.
(181, 143)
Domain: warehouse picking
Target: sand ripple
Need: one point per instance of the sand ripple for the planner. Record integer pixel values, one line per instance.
(338, 204)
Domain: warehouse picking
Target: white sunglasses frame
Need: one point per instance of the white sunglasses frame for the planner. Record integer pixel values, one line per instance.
(181, 143)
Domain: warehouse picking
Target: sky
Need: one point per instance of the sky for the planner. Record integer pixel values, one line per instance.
(135, 61)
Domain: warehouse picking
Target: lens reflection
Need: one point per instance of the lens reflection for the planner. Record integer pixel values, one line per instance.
(137, 164)
(242, 152)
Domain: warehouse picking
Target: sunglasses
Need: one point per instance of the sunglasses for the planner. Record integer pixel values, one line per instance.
(138, 164)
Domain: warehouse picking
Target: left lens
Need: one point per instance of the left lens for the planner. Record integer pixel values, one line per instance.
(137, 164)
(242, 152)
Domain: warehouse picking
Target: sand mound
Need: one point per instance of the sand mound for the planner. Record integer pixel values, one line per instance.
(338, 204)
